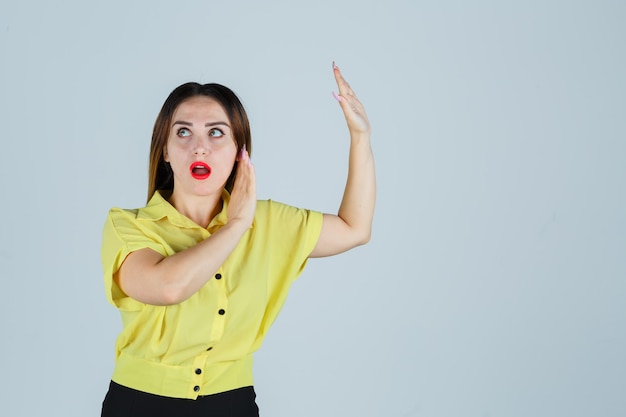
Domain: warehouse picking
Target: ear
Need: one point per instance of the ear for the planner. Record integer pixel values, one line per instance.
(166, 157)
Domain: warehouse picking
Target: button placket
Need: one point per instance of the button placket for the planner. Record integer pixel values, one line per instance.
(197, 371)
(219, 320)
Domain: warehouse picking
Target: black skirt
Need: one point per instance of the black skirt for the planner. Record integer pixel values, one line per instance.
(121, 401)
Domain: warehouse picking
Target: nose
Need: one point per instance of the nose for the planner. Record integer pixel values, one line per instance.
(201, 147)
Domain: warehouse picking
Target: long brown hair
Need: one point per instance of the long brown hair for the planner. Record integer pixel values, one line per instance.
(159, 172)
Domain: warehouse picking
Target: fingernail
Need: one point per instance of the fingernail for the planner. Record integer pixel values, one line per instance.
(335, 65)
(337, 97)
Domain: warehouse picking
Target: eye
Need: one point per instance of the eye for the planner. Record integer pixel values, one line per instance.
(183, 132)
(216, 133)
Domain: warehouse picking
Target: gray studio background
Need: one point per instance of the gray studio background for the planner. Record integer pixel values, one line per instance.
(494, 282)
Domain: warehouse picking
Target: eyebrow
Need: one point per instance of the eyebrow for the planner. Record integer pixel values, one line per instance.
(182, 122)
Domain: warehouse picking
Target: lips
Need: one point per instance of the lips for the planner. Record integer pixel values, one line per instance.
(200, 170)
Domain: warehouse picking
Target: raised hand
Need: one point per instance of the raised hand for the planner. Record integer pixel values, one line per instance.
(353, 110)
(352, 225)
(242, 203)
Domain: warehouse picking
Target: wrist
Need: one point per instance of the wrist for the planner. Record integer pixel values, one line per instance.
(360, 142)
(360, 136)
(238, 225)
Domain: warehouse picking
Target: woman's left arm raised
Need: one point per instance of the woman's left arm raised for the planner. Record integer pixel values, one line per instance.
(352, 226)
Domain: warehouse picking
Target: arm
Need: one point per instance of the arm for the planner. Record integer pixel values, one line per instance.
(352, 226)
(151, 278)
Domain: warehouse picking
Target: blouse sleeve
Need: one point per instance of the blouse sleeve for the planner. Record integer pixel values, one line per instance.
(122, 234)
(296, 232)
(292, 234)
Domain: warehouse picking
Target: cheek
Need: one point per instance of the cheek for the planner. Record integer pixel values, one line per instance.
(230, 154)
(232, 168)
(229, 164)
(171, 150)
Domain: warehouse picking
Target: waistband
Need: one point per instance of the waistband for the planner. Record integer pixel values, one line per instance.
(183, 381)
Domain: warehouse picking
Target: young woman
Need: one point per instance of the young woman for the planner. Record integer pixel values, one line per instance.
(200, 273)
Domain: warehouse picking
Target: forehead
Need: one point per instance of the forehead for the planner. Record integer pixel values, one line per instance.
(201, 109)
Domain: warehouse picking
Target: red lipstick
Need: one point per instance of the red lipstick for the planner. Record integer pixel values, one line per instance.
(200, 170)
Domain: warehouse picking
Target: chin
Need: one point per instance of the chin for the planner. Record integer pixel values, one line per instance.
(202, 190)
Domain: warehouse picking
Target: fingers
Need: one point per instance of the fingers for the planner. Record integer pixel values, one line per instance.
(243, 197)
(344, 87)
(246, 179)
(350, 104)
(345, 91)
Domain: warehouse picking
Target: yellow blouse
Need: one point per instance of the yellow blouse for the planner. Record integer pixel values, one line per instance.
(203, 345)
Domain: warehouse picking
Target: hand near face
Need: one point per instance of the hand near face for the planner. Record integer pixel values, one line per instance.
(242, 205)
(353, 110)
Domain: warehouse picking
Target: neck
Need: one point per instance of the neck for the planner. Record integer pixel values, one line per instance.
(200, 209)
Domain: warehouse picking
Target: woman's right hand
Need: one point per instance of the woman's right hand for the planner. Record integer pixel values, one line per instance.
(242, 205)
